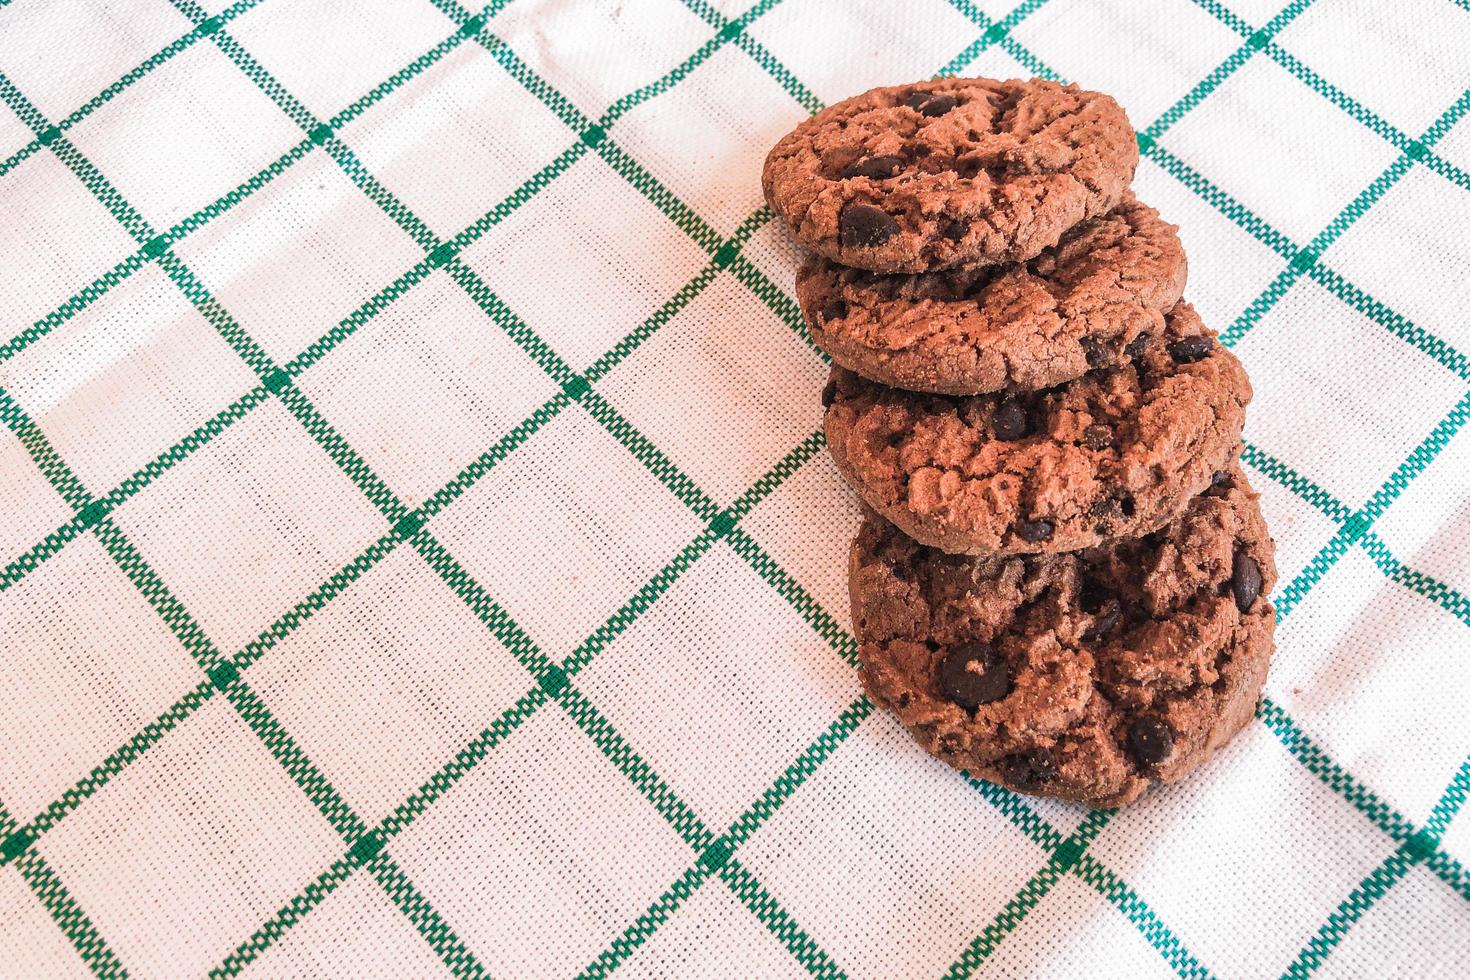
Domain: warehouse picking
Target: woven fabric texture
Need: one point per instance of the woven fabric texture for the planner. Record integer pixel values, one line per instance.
(418, 554)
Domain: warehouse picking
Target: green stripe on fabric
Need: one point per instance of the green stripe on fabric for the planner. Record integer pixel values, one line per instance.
(779, 579)
(1061, 861)
(621, 754)
(450, 949)
(347, 459)
(647, 594)
(1351, 909)
(462, 763)
(294, 760)
(68, 915)
(797, 773)
(1385, 817)
(74, 305)
(1443, 595)
(499, 622)
(1127, 901)
(649, 455)
(1289, 478)
(42, 453)
(486, 461)
(1013, 807)
(122, 756)
(513, 326)
(1401, 327)
(645, 925)
(291, 913)
(1450, 803)
(798, 942)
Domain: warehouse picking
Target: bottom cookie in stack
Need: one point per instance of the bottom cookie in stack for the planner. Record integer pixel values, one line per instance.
(1086, 675)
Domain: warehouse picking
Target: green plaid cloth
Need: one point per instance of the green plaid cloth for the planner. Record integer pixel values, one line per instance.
(418, 555)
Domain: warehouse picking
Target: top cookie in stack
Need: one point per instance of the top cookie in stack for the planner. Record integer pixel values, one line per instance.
(977, 238)
(1062, 586)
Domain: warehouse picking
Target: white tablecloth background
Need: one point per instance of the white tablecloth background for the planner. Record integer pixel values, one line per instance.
(418, 554)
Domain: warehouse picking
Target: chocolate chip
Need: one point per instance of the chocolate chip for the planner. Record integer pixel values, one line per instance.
(878, 168)
(1097, 437)
(829, 393)
(1220, 479)
(864, 226)
(1097, 601)
(957, 229)
(1126, 505)
(974, 674)
(835, 310)
(1137, 345)
(930, 104)
(1010, 421)
(938, 105)
(1096, 354)
(1191, 349)
(1034, 531)
(1092, 596)
(1150, 740)
(1027, 769)
(1245, 580)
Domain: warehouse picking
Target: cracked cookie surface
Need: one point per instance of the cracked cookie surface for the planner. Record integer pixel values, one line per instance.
(1088, 675)
(1026, 326)
(1115, 453)
(950, 172)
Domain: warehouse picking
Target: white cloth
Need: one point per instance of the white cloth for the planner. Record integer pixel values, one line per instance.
(418, 552)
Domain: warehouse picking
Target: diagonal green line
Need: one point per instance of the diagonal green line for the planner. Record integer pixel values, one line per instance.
(1450, 803)
(440, 937)
(67, 914)
(777, 577)
(59, 904)
(499, 622)
(47, 460)
(396, 80)
(511, 325)
(291, 913)
(1338, 779)
(1013, 807)
(74, 305)
(487, 460)
(121, 757)
(347, 458)
(1220, 200)
(1058, 863)
(1351, 909)
(649, 455)
(460, 765)
(646, 595)
(679, 814)
(1127, 901)
(794, 775)
(1356, 297)
(645, 925)
(1254, 42)
(1292, 480)
(1447, 597)
(797, 941)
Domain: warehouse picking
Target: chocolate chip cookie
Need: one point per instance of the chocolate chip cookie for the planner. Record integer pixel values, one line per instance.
(1115, 453)
(950, 172)
(1032, 325)
(1086, 675)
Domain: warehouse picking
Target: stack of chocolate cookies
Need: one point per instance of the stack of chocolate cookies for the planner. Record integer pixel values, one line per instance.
(1061, 582)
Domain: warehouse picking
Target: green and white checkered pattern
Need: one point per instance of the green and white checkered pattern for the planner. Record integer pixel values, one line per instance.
(419, 555)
